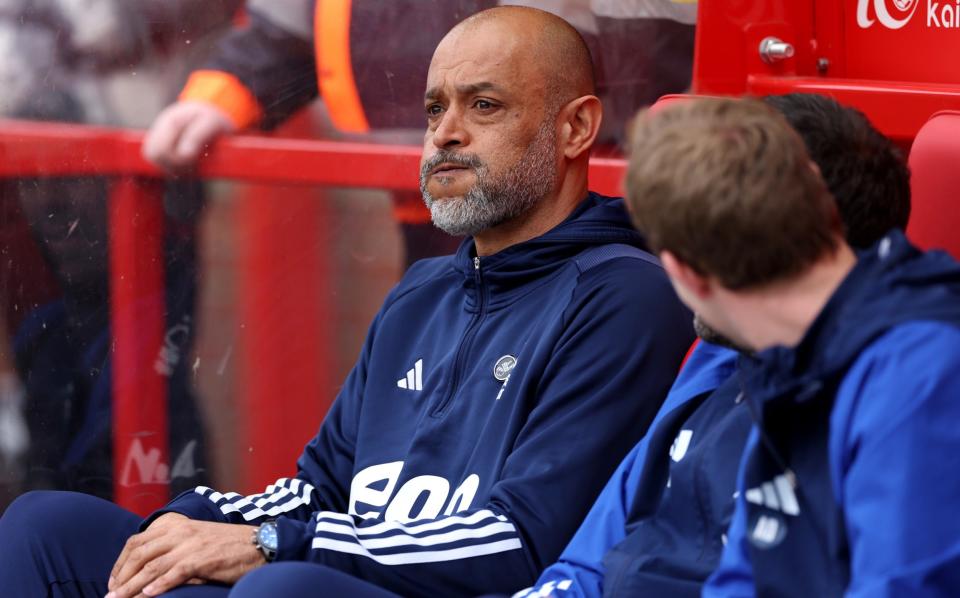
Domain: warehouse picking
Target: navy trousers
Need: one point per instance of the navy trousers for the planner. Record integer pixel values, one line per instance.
(296, 579)
(64, 544)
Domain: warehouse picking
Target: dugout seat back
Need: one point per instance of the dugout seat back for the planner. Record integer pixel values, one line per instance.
(935, 184)
(672, 99)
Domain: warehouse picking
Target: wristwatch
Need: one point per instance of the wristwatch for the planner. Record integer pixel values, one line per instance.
(265, 539)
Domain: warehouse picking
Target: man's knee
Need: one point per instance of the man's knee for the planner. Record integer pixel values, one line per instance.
(47, 517)
(37, 513)
(66, 539)
(278, 578)
(303, 579)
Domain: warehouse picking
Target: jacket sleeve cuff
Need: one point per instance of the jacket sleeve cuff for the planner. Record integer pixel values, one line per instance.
(227, 93)
(190, 505)
(293, 539)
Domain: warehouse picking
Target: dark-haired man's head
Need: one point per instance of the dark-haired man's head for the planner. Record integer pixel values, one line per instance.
(864, 171)
(506, 92)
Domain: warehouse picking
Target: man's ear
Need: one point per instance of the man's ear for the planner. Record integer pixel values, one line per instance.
(684, 275)
(580, 122)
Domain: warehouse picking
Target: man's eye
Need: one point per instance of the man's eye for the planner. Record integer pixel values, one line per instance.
(484, 105)
(434, 109)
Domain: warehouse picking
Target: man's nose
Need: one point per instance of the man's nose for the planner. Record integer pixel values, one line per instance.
(450, 131)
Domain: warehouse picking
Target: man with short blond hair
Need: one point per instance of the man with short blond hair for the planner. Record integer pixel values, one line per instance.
(848, 482)
(798, 229)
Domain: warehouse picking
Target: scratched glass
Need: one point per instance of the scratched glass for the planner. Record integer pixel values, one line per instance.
(160, 332)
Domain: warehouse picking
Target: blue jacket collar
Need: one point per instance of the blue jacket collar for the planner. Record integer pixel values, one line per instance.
(503, 276)
(892, 283)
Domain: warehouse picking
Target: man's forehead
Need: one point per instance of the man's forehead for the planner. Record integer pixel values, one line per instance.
(481, 61)
(444, 87)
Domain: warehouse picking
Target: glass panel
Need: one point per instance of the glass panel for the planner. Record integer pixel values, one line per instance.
(268, 289)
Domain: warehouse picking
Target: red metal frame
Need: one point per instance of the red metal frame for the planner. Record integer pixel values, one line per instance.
(29, 148)
(897, 77)
(280, 362)
(141, 455)
(897, 109)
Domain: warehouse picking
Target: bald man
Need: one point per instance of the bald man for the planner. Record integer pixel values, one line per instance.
(496, 392)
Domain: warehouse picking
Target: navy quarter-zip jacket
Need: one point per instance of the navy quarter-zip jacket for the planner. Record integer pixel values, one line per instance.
(492, 399)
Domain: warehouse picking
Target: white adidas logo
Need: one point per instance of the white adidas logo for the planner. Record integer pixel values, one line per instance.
(767, 531)
(414, 379)
(680, 445)
(776, 495)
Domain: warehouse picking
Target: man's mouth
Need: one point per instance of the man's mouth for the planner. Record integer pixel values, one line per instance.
(447, 168)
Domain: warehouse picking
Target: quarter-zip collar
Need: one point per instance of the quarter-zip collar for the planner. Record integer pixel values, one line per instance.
(508, 274)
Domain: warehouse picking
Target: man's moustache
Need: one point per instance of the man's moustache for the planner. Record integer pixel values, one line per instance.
(447, 157)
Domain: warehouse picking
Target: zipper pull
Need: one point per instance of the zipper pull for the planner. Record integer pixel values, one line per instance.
(476, 263)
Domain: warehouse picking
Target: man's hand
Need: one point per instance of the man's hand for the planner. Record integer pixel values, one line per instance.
(175, 550)
(181, 132)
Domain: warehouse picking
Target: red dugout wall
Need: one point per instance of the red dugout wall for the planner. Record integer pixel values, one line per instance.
(893, 59)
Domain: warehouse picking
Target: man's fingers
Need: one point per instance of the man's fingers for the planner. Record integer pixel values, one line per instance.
(178, 575)
(198, 134)
(181, 132)
(175, 550)
(161, 140)
(142, 558)
(132, 544)
(143, 578)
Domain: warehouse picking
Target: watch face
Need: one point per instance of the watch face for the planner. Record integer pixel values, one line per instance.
(267, 536)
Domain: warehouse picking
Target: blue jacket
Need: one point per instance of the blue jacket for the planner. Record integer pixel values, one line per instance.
(492, 400)
(657, 527)
(849, 484)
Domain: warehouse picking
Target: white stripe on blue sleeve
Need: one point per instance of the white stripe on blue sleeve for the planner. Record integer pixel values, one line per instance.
(394, 543)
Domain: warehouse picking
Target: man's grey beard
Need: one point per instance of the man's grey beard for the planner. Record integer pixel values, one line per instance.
(493, 201)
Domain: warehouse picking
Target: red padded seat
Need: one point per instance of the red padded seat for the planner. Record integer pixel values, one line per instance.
(935, 184)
